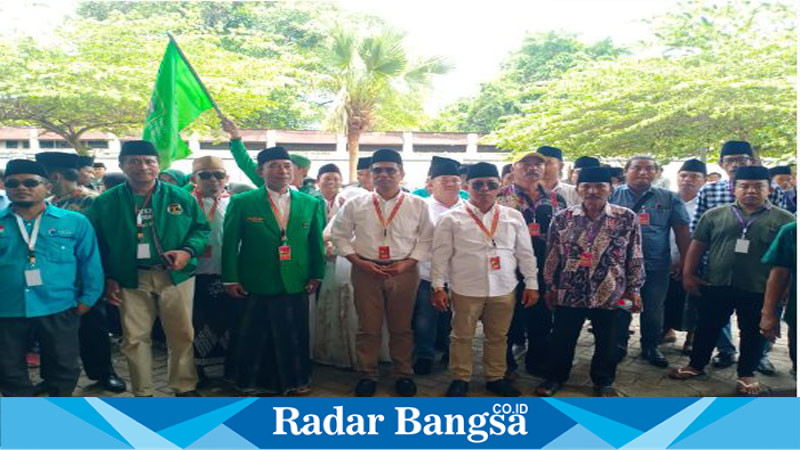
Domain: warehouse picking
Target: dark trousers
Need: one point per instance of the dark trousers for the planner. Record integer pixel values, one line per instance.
(58, 339)
(533, 325)
(566, 329)
(714, 311)
(95, 345)
(675, 307)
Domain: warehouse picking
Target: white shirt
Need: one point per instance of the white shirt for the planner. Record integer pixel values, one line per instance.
(568, 192)
(461, 253)
(282, 202)
(213, 264)
(675, 254)
(435, 209)
(357, 229)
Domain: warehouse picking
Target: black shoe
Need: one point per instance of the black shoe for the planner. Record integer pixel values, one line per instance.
(423, 366)
(457, 388)
(366, 387)
(765, 366)
(723, 360)
(405, 387)
(113, 383)
(655, 358)
(502, 388)
(40, 388)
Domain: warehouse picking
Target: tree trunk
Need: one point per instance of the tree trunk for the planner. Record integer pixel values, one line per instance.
(353, 136)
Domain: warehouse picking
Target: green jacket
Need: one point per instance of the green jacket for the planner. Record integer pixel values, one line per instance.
(179, 220)
(251, 238)
(250, 168)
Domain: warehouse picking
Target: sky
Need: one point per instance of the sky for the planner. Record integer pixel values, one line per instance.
(474, 36)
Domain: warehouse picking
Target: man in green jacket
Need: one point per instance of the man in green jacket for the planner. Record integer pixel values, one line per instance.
(150, 233)
(273, 256)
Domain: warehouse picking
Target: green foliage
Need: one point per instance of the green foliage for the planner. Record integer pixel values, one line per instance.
(726, 71)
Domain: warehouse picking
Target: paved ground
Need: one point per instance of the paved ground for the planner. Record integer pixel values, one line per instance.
(635, 377)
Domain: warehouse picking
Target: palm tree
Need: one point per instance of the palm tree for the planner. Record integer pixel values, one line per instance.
(367, 72)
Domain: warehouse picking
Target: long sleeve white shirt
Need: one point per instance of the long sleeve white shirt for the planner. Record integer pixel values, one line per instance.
(210, 261)
(282, 201)
(436, 209)
(357, 228)
(461, 253)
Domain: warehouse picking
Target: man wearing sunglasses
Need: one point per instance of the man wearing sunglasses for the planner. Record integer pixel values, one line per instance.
(150, 234)
(51, 275)
(478, 248)
(213, 312)
(384, 235)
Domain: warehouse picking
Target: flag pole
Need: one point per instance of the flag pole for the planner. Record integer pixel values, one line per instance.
(199, 80)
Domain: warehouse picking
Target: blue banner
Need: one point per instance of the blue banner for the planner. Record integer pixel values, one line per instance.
(390, 423)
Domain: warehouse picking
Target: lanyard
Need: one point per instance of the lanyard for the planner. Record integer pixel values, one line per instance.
(278, 217)
(30, 240)
(138, 211)
(487, 233)
(642, 200)
(386, 222)
(210, 215)
(745, 224)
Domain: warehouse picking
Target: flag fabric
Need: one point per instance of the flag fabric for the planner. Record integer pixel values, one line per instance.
(178, 99)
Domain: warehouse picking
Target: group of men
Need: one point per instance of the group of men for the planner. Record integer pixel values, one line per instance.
(230, 277)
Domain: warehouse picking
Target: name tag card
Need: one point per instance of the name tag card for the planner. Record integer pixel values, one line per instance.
(143, 251)
(285, 253)
(534, 229)
(383, 252)
(742, 246)
(494, 263)
(33, 277)
(644, 219)
(585, 260)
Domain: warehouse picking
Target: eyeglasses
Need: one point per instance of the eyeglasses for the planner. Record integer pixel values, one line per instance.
(391, 171)
(207, 175)
(478, 185)
(736, 160)
(28, 183)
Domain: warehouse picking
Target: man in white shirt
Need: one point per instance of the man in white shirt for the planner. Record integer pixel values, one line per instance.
(554, 164)
(384, 235)
(478, 248)
(445, 183)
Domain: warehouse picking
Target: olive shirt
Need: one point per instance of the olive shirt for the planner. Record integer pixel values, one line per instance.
(180, 223)
(783, 253)
(719, 229)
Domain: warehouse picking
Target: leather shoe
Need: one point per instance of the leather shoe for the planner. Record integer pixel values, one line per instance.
(113, 383)
(366, 387)
(191, 393)
(405, 387)
(423, 366)
(655, 358)
(458, 388)
(502, 388)
(723, 360)
(765, 366)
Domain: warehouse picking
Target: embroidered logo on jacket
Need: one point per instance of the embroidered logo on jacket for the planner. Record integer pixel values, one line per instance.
(175, 209)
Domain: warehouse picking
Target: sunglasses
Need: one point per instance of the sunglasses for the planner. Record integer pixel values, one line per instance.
(28, 183)
(491, 185)
(207, 175)
(387, 170)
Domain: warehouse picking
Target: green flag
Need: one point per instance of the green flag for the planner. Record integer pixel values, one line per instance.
(178, 98)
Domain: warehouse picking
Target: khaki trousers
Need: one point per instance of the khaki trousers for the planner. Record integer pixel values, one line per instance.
(495, 313)
(393, 298)
(156, 296)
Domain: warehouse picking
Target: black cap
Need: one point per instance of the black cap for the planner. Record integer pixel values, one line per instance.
(131, 148)
(386, 155)
(99, 165)
(694, 165)
(464, 169)
(363, 163)
(25, 166)
(58, 159)
(586, 161)
(552, 152)
(752, 173)
(443, 166)
(736, 148)
(617, 172)
(328, 168)
(85, 161)
(272, 154)
(595, 174)
(780, 170)
(482, 170)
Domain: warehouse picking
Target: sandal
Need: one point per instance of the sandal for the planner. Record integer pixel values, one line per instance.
(748, 389)
(684, 373)
(605, 391)
(303, 390)
(548, 388)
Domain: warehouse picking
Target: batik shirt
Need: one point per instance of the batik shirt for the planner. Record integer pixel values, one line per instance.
(79, 201)
(615, 267)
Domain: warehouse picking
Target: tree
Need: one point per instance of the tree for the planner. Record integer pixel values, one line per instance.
(368, 75)
(726, 71)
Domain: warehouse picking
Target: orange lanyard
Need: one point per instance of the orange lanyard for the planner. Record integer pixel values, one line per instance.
(210, 215)
(278, 217)
(385, 223)
(495, 219)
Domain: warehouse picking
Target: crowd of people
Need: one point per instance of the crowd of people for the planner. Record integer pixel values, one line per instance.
(266, 280)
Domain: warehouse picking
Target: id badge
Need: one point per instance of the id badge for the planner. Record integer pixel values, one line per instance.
(644, 219)
(33, 277)
(143, 251)
(285, 253)
(383, 252)
(585, 260)
(742, 246)
(534, 229)
(494, 262)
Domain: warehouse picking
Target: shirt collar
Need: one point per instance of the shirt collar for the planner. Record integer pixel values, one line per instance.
(580, 212)
(49, 210)
(437, 202)
(277, 194)
(477, 211)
